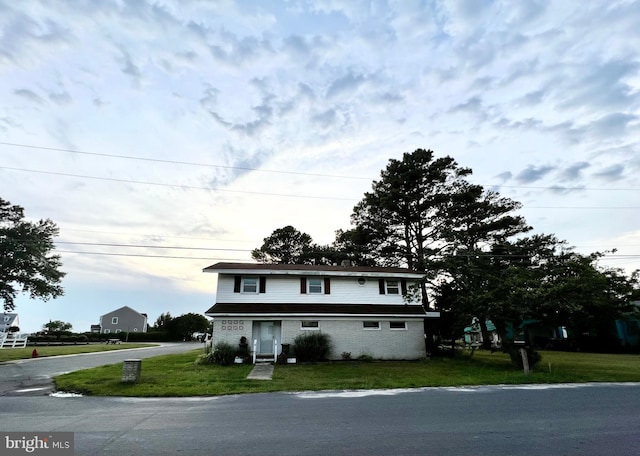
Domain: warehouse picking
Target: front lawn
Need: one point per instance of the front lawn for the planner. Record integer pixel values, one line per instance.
(178, 375)
(12, 354)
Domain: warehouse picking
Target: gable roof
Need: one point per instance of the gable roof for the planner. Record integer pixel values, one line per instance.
(7, 320)
(310, 269)
(124, 308)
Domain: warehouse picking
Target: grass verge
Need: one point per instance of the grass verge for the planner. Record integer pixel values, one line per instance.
(12, 354)
(178, 375)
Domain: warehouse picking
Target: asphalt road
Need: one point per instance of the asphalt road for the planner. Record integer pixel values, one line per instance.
(560, 420)
(33, 376)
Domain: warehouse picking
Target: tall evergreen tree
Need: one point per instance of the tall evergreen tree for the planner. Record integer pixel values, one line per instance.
(285, 245)
(423, 209)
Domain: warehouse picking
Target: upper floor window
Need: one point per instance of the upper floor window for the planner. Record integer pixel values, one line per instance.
(114, 320)
(249, 284)
(314, 285)
(309, 324)
(392, 287)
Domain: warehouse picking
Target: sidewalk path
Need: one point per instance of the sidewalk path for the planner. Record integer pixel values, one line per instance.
(261, 372)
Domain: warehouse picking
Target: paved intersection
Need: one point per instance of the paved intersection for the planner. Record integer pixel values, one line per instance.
(34, 376)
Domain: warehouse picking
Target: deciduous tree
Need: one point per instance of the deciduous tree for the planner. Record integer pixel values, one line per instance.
(57, 326)
(26, 261)
(184, 326)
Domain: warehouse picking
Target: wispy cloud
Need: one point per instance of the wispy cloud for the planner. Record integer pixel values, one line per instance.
(533, 174)
(574, 172)
(347, 83)
(611, 173)
(60, 98)
(29, 95)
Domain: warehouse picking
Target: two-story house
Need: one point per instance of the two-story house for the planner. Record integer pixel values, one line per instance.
(363, 309)
(124, 319)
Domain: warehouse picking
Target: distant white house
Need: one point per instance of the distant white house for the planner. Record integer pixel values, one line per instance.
(362, 309)
(124, 319)
(9, 323)
(9, 331)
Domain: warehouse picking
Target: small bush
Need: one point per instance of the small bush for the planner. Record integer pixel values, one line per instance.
(365, 358)
(223, 354)
(205, 358)
(346, 356)
(312, 347)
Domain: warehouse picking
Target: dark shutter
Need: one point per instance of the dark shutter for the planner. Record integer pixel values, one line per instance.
(236, 284)
(381, 286)
(263, 284)
(303, 285)
(327, 285)
(403, 285)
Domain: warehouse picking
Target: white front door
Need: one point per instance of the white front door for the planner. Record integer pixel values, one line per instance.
(267, 334)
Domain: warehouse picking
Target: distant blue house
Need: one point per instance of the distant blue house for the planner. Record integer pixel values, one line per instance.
(628, 331)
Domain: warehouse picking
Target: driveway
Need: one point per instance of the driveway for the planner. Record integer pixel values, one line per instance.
(34, 376)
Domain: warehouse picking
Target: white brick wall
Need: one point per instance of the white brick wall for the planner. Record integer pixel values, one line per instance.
(233, 330)
(347, 335)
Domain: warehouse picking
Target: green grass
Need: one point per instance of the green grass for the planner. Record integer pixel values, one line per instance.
(12, 354)
(178, 375)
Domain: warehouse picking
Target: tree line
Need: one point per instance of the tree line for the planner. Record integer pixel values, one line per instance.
(478, 256)
(166, 327)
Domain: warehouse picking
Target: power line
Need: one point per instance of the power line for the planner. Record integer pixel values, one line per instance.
(209, 165)
(177, 162)
(62, 229)
(580, 207)
(139, 246)
(136, 255)
(285, 195)
(563, 188)
(188, 187)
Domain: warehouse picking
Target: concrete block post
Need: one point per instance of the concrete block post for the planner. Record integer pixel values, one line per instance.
(131, 370)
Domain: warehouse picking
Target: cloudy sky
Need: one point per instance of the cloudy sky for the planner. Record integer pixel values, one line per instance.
(190, 130)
